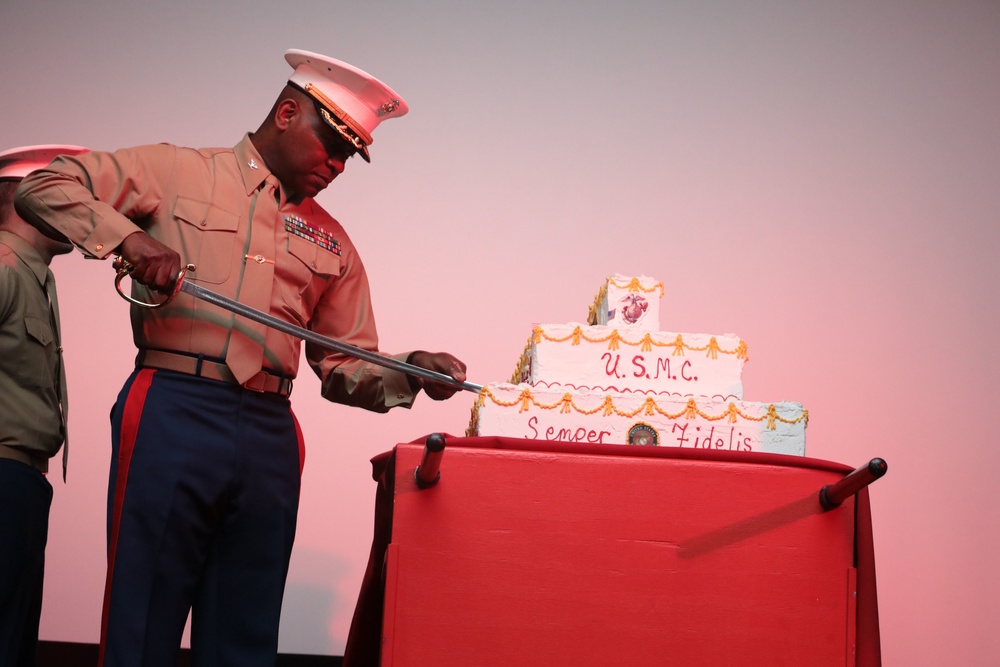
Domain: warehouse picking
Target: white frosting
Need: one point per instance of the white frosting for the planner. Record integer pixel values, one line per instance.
(611, 360)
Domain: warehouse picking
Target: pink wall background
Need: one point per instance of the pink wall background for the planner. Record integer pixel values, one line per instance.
(819, 178)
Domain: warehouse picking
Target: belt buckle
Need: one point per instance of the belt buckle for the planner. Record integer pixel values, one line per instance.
(257, 383)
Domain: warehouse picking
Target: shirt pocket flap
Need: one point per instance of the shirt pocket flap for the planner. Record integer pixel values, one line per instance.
(39, 329)
(318, 260)
(204, 215)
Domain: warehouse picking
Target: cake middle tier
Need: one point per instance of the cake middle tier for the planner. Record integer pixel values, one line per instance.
(607, 359)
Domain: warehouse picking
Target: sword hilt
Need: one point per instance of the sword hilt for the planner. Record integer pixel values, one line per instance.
(123, 268)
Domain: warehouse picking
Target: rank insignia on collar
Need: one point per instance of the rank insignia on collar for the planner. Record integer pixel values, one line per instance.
(252, 164)
(324, 239)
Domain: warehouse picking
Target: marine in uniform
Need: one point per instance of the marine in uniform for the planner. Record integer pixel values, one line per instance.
(207, 454)
(33, 406)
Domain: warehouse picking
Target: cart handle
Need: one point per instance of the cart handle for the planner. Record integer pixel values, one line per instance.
(832, 495)
(428, 472)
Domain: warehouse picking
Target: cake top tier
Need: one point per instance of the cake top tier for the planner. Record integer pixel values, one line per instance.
(628, 302)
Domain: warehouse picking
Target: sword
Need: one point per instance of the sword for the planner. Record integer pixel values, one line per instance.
(123, 268)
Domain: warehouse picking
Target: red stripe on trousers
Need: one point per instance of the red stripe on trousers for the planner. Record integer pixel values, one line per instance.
(131, 416)
(302, 442)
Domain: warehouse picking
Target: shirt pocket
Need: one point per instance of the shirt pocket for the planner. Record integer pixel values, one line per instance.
(34, 367)
(207, 238)
(304, 274)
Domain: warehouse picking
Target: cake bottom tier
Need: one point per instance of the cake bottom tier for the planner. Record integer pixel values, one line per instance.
(664, 420)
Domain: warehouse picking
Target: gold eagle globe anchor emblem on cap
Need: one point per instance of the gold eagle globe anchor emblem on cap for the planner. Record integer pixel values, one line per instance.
(388, 108)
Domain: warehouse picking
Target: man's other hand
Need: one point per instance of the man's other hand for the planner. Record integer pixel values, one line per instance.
(441, 362)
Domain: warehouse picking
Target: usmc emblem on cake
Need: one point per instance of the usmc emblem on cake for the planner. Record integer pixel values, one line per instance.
(632, 307)
(643, 435)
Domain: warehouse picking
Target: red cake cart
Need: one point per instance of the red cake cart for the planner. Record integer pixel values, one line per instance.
(500, 551)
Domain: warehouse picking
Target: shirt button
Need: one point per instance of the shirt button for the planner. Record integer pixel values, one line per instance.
(399, 396)
(99, 247)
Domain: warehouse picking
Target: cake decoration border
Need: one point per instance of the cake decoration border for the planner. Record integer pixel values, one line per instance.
(648, 407)
(612, 389)
(646, 343)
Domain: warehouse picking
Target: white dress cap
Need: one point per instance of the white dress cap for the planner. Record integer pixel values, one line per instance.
(355, 98)
(16, 163)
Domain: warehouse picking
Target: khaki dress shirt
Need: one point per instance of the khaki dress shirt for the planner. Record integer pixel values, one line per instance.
(31, 424)
(212, 206)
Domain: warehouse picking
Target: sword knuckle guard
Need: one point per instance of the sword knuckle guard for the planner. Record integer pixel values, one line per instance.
(124, 268)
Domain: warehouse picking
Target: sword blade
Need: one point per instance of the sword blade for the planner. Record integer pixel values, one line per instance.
(266, 319)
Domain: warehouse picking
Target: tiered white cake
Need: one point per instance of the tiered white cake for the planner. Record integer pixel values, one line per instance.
(618, 380)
